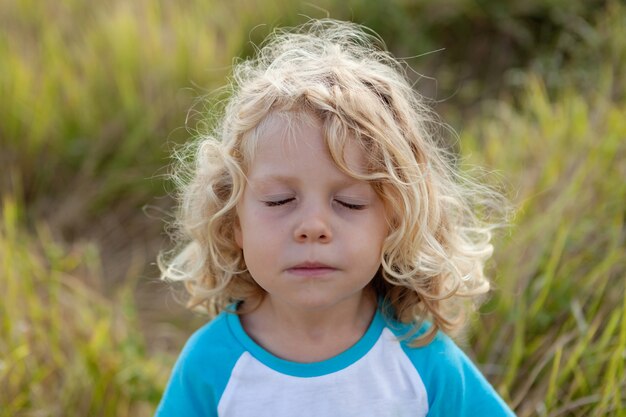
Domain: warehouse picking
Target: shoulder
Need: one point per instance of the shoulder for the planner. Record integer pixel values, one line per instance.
(202, 371)
(441, 354)
(213, 339)
(453, 383)
(440, 359)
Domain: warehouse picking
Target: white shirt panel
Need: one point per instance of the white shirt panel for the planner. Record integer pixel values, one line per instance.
(381, 383)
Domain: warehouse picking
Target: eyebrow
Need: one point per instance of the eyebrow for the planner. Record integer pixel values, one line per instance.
(286, 179)
(263, 179)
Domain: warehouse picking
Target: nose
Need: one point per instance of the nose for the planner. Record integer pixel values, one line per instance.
(313, 226)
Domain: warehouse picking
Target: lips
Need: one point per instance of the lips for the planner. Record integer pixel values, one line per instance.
(311, 269)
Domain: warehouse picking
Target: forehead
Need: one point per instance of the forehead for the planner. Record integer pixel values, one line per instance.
(298, 137)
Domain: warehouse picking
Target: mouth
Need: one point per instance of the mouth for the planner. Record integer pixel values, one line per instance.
(311, 269)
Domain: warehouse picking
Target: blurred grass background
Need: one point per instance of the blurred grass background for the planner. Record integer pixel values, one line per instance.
(95, 95)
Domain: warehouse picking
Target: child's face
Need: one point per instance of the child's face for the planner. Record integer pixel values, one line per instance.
(311, 235)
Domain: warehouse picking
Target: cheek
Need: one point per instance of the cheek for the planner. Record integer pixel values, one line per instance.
(372, 242)
(256, 233)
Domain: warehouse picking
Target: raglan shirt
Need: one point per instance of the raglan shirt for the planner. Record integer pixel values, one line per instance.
(222, 372)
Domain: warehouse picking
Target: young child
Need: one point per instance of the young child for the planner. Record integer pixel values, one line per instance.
(333, 242)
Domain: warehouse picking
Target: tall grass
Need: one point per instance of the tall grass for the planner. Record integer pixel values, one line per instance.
(555, 330)
(65, 349)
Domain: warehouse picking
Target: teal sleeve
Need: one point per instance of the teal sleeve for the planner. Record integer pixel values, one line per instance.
(454, 385)
(201, 373)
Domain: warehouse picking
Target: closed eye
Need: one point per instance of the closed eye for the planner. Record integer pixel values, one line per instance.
(351, 206)
(279, 202)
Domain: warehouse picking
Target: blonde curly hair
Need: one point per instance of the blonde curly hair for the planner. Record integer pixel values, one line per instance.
(338, 72)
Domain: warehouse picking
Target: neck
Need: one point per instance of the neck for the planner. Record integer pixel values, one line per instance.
(307, 334)
(313, 324)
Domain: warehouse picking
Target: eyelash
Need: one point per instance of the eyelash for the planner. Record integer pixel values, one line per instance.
(351, 206)
(289, 200)
(278, 203)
